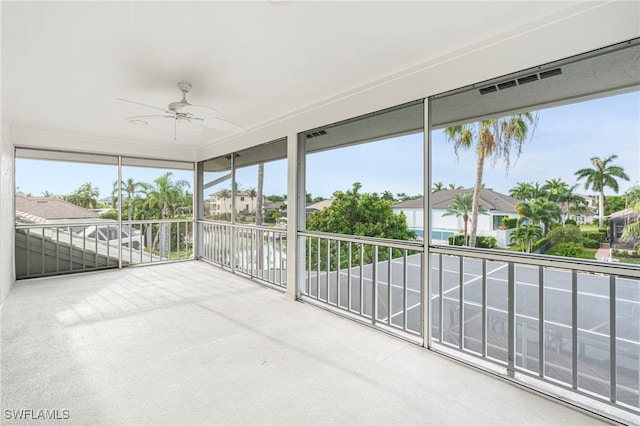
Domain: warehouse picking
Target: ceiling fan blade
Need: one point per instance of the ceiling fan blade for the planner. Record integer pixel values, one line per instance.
(224, 125)
(136, 117)
(144, 105)
(201, 110)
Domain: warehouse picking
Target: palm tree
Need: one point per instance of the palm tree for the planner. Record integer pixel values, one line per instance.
(86, 195)
(567, 197)
(462, 207)
(165, 190)
(539, 211)
(601, 176)
(453, 186)
(495, 139)
(252, 194)
(438, 186)
(388, 196)
(526, 235)
(523, 191)
(131, 188)
(554, 188)
(225, 194)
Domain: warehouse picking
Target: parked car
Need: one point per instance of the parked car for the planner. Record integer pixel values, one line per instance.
(109, 232)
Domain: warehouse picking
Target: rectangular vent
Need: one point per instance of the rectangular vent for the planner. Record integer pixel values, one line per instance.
(551, 73)
(507, 84)
(489, 89)
(316, 134)
(528, 79)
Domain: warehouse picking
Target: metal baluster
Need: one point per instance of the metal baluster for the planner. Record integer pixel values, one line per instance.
(338, 268)
(484, 308)
(349, 254)
(70, 248)
(361, 279)
(42, 257)
(389, 292)
(28, 234)
(511, 312)
(374, 285)
(461, 303)
(441, 301)
(541, 337)
(574, 328)
(57, 249)
(613, 362)
(328, 270)
(405, 276)
(308, 286)
(318, 270)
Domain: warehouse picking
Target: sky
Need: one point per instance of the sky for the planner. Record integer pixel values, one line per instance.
(564, 141)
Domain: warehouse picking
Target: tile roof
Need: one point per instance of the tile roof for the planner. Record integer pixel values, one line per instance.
(489, 199)
(320, 205)
(41, 209)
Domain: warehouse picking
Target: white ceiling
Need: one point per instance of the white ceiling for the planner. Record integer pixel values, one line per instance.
(65, 63)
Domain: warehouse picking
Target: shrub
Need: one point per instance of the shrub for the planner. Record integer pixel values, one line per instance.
(565, 234)
(589, 243)
(568, 249)
(540, 243)
(598, 236)
(110, 214)
(481, 241)
(509, 222)
(570, 222)
(486, 242)
(456, 240)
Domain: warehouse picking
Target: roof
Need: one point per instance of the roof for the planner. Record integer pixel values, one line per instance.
(41, 209)
(626, 214)
(489, 199)
(320, 205)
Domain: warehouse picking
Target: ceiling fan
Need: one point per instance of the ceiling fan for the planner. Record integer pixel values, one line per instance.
(186, 116)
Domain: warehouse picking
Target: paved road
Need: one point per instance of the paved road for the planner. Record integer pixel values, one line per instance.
(592, 316)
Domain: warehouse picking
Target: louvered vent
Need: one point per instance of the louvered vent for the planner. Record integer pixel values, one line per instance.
(316, 134)
(518, 82)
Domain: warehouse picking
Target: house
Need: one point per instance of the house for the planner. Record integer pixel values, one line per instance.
(585, 213)
(498, 206)
(617, 222)
(220, 202)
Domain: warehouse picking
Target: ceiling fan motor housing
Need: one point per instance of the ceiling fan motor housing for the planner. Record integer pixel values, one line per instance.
(177, 106)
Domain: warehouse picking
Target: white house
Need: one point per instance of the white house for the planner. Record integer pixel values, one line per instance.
(586, 214)
(498, 206)
(220, 202)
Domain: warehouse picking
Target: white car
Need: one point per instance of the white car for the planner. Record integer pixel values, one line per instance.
(130, 237)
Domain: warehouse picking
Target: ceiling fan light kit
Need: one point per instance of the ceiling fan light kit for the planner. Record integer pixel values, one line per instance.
(188, 118)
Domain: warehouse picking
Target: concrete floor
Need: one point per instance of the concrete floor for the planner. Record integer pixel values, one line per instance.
(187, 343)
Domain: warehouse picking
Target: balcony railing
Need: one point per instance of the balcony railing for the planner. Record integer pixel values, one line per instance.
(67, 247)
(373, 280)
(257, 252)
(573, 325)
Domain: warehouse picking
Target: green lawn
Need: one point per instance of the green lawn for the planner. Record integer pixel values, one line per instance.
(586, 253)
(589, 228)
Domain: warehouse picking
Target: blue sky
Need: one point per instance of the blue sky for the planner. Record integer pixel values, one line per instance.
(564, 141)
